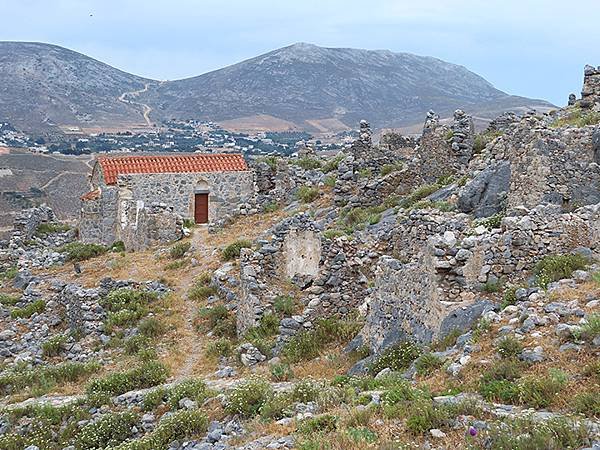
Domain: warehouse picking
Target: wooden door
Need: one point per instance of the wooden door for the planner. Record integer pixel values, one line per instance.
(201, 208)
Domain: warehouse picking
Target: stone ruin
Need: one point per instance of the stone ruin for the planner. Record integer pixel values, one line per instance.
(24, 249)
(441, 262)
(532, 164)
(590, 94)
(329, 275)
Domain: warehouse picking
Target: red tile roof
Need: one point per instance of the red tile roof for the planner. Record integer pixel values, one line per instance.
(92, 195)
(114, 166)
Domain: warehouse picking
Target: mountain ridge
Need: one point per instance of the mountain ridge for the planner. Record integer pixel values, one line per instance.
(303, 84)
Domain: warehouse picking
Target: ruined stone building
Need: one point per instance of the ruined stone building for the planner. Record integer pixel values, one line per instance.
(142, 200)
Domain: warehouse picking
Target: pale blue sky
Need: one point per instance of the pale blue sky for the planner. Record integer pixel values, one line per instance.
(535, 48)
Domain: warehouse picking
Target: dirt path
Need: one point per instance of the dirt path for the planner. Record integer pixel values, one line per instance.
(146, 109)
(190, 337)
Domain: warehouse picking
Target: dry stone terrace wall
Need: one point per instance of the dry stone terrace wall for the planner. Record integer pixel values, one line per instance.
(227, 191)
(329, 273)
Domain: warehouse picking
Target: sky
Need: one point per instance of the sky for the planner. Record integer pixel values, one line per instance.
(534, 48)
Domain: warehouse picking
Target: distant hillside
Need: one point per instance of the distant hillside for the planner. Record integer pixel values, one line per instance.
(300, 86)
(43, 86)
(304, 82)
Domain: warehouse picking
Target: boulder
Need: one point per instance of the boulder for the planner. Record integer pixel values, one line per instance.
(484, 195)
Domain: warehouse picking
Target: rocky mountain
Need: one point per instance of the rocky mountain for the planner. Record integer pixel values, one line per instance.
(44, 86)
(310, 85)
(303, 86)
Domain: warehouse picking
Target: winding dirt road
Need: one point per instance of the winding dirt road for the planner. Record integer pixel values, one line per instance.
(146, 109)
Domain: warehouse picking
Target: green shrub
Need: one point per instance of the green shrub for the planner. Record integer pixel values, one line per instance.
(308, 163)
(591, 328)
(136, 343)
(419, 194)
(305, 391)
(529, 434)
(330, 181)
(151, 327)
(483, 326)
(447, 341)
(281, 372)
(147, 375)
(398, 357)
(199, 292)
(111, 429)
(189, 223)
(126, 306)
(232, 251)
(248, 397)
(193, 389)
(332, 233)
(78, 251)
(333, 163)
(220, 347)
(500, 390)
(556, 267)
(54, 345)
(219, 320)
(8, 300)
(117, 247)
(365, 173)
(44, 377)
(284, 305)
(389, 168)
(179, 250)
(268, 326)
(509, 297)
(307, 194)
(427, 363)
(270, 207)
(540, 391)
(483, 139)
(505, 369)
(309, 344)
(175, 427)
(491, 222)
(424, 415)
(587, 403)
(277, 407)
(271, 161)
(492, 287)
(324, 423)
(26, 312)
(44, 229)
(509, 347)
(577, 118)
(177, 264)
(8, 274)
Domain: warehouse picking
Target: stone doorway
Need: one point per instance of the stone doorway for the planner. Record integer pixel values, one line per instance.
(201, 207)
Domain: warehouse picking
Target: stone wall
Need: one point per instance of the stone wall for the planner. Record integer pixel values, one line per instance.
(145, 226)
(441, 262)
(27, 221)
(545, 165)
(98, 218)
(329, 275)
(229, 192)
(590, 94)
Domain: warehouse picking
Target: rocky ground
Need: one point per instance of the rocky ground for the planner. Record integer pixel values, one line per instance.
(414, 326)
